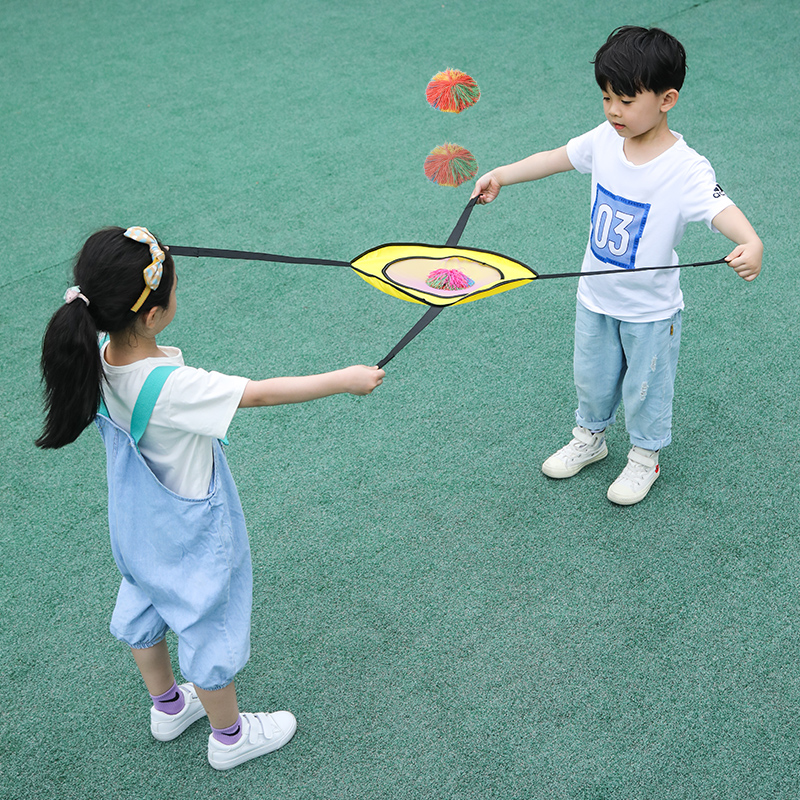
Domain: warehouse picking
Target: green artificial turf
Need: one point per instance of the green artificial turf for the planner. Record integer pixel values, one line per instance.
(443, 620)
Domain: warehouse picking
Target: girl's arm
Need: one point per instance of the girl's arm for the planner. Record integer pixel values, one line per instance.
(532, 168)
(277, 391)
(745, 258)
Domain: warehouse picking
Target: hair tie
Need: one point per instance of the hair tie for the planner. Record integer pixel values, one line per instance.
(73, 293)
(153, 271)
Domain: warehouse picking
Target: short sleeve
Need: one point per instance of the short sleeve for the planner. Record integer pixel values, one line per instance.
(201, 402)
(703, 198)
(580, 151)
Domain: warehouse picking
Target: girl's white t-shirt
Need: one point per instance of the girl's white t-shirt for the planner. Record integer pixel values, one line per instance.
(194, 408)
(638, 216)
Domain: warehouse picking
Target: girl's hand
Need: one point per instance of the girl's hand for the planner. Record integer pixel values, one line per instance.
(362, 380)
(487, 187)
(745, 259)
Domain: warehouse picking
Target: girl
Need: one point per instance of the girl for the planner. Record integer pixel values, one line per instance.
(177, 530)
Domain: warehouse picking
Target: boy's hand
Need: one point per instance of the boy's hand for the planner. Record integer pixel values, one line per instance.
(362, 380)
(745, 259)
(487, 187)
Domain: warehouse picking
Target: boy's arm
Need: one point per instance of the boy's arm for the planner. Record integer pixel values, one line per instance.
(277, 391)
(745, 258)
(532, 168)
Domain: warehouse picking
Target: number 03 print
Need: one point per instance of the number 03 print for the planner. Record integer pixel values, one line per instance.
(617, 226)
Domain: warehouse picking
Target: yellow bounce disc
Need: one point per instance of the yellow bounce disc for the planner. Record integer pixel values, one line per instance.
(401, 270)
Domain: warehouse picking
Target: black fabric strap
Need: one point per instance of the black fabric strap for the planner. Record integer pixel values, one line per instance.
(628, 271)
(454, 237)
(432, 311)
(423, 322)
(200, 252)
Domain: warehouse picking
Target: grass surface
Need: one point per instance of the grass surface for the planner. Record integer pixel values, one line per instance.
(444, 621)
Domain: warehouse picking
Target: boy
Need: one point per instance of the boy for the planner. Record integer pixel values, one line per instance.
(647, 184)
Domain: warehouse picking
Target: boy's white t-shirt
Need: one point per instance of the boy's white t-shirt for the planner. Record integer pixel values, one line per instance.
(638, 216)
(194, 408)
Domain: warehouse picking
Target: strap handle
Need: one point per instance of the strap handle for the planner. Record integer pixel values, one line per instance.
(423, 322)
(146, 401)
(247, 255)
(541, 277)
(455, 236)
(433, 311)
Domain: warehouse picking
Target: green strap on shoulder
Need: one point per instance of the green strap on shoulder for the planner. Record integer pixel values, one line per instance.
(102, 409)
(146, 401)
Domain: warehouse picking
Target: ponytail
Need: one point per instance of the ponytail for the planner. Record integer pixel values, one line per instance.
(72, 373)
(109, 270)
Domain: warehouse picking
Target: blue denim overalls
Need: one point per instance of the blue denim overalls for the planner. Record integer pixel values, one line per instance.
(185, 563)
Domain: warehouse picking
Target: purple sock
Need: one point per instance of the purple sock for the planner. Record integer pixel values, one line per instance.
(171, 702)
(228, 735)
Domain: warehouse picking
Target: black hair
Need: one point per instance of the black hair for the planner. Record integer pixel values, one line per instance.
(109, 270)
(634, 60)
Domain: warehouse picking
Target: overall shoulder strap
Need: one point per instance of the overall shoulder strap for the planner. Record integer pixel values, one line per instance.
(146, 401)
(102, 407)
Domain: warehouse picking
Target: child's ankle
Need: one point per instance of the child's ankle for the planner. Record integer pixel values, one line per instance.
(229, 735)
(171, 702)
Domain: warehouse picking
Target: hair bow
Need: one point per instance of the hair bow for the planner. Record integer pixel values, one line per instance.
(154, 270)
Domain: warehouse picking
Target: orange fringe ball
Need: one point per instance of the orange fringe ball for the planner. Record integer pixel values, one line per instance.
(452, 90)
(450, 165)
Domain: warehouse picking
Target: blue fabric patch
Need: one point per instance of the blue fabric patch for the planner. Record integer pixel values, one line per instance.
(617, 227)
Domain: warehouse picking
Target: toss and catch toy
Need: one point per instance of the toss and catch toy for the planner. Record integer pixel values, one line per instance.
(437, 276)
(452, 91)
(434, 275)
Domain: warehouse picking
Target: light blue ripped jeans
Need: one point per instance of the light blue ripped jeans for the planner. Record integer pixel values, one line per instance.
(629, 362)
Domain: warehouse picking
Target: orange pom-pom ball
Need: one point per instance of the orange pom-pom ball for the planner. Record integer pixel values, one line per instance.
(452, 90)
(450, 165)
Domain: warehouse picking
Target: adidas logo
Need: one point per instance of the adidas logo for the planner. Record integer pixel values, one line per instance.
(718, 192)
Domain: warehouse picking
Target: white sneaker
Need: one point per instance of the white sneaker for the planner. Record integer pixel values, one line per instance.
(166, 727)
(635, 480)
(261, 734)
(584, 449)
